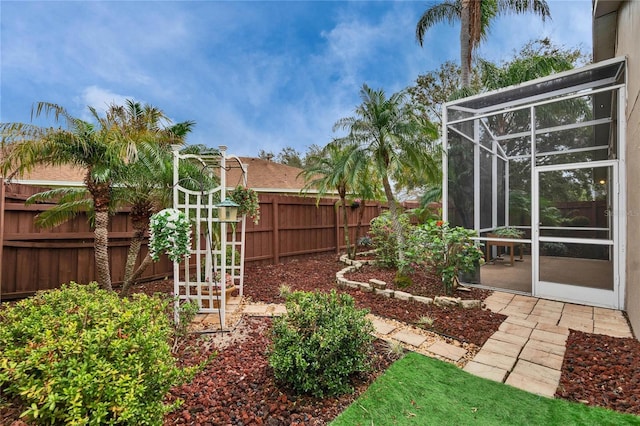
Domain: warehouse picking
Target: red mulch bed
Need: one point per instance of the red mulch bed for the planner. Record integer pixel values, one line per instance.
(237, 386)
(603, 371)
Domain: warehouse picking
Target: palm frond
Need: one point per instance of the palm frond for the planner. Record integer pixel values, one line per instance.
(447, 11)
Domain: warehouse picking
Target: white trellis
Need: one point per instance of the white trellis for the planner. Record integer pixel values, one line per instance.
(215, 266)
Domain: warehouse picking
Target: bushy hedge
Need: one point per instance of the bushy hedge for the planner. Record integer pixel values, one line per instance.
(320, 343)
(81, 355)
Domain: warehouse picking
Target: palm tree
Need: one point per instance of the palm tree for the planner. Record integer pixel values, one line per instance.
(335, 168)
(395, 141)
(96, 148)
(146, 183)
(475, 18)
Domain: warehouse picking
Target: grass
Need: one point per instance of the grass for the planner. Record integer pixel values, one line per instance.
(418, 390)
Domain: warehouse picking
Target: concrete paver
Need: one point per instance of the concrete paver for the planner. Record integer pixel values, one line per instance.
(548, 347)
(528, 384)
(493, 359)
(537, 372)
(382, 327)
(510, 338)
(486, 371)
(515, 329)
(447, 350)
(547, 336)
(255, 309)
(538, 356)
(409, 338)
(504, 348)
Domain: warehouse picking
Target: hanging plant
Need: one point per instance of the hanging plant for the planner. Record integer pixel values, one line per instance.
(169, 233)
(247, 200)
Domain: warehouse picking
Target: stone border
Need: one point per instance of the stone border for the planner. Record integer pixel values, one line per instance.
(379, 287)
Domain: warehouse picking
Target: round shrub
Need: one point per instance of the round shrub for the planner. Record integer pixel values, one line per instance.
(81, 355)
(320, 343)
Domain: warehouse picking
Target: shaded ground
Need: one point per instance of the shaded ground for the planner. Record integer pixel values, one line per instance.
(237, 386)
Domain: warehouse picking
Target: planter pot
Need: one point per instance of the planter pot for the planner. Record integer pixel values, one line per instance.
(229, 291)
(472, 277)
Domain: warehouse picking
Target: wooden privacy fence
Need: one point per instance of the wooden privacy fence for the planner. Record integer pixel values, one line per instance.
(33, 259)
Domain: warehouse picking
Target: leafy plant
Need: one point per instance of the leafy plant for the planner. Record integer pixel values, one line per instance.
(425, 321)
(384, 239)
(170, 233)
(365, 241)
(320, 343)
(446, 251)
(508, 232)
(248, 202)
(81, 355)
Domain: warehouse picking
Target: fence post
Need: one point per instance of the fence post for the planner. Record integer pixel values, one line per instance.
(276, 231)
(2, 203)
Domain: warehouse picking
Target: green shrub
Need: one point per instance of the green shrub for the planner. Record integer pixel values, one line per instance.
(385, 239)
(320, 343)
(402, 280)
(444, 250)
(81, 355)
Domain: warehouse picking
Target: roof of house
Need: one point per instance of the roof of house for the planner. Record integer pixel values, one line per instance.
(264, 175)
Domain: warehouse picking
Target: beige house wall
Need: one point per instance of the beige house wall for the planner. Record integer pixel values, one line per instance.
(627, 44)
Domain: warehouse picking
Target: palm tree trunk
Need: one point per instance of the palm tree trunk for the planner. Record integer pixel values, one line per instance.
(132, 256)
(136, 274)
(465, 44)
(345, 225)
(359, 225)
(101, 248)
(140, 217)
(397, 228)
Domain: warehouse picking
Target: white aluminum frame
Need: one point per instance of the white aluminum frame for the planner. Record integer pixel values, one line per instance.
(617, 240)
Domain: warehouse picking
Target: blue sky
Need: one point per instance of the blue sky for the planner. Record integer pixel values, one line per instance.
(252, 75)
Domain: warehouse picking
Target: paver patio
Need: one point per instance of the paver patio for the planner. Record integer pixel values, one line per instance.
(528, 349)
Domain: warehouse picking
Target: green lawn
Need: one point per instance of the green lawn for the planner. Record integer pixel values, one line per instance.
(418, 390)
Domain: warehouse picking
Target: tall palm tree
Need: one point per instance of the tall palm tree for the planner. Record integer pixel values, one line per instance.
(395, 141)
(94, 147)
(475, 18)
(334, 168)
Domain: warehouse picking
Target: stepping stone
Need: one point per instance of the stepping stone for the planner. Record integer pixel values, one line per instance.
(541, 357)
(382, 327)
(255, 309)
(547, 347)
(546, 336)
(614, 332)
(521, 322)
(515, 329)
(553, 329)
(528, 384)
(537, 372)
(510, 338)
(409, 338)
(486, 371)
(501, 361)
(504, 348)
(278, 310)
(448, 351)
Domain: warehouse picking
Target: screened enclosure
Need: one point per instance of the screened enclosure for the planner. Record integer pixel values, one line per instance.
(537, 170)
